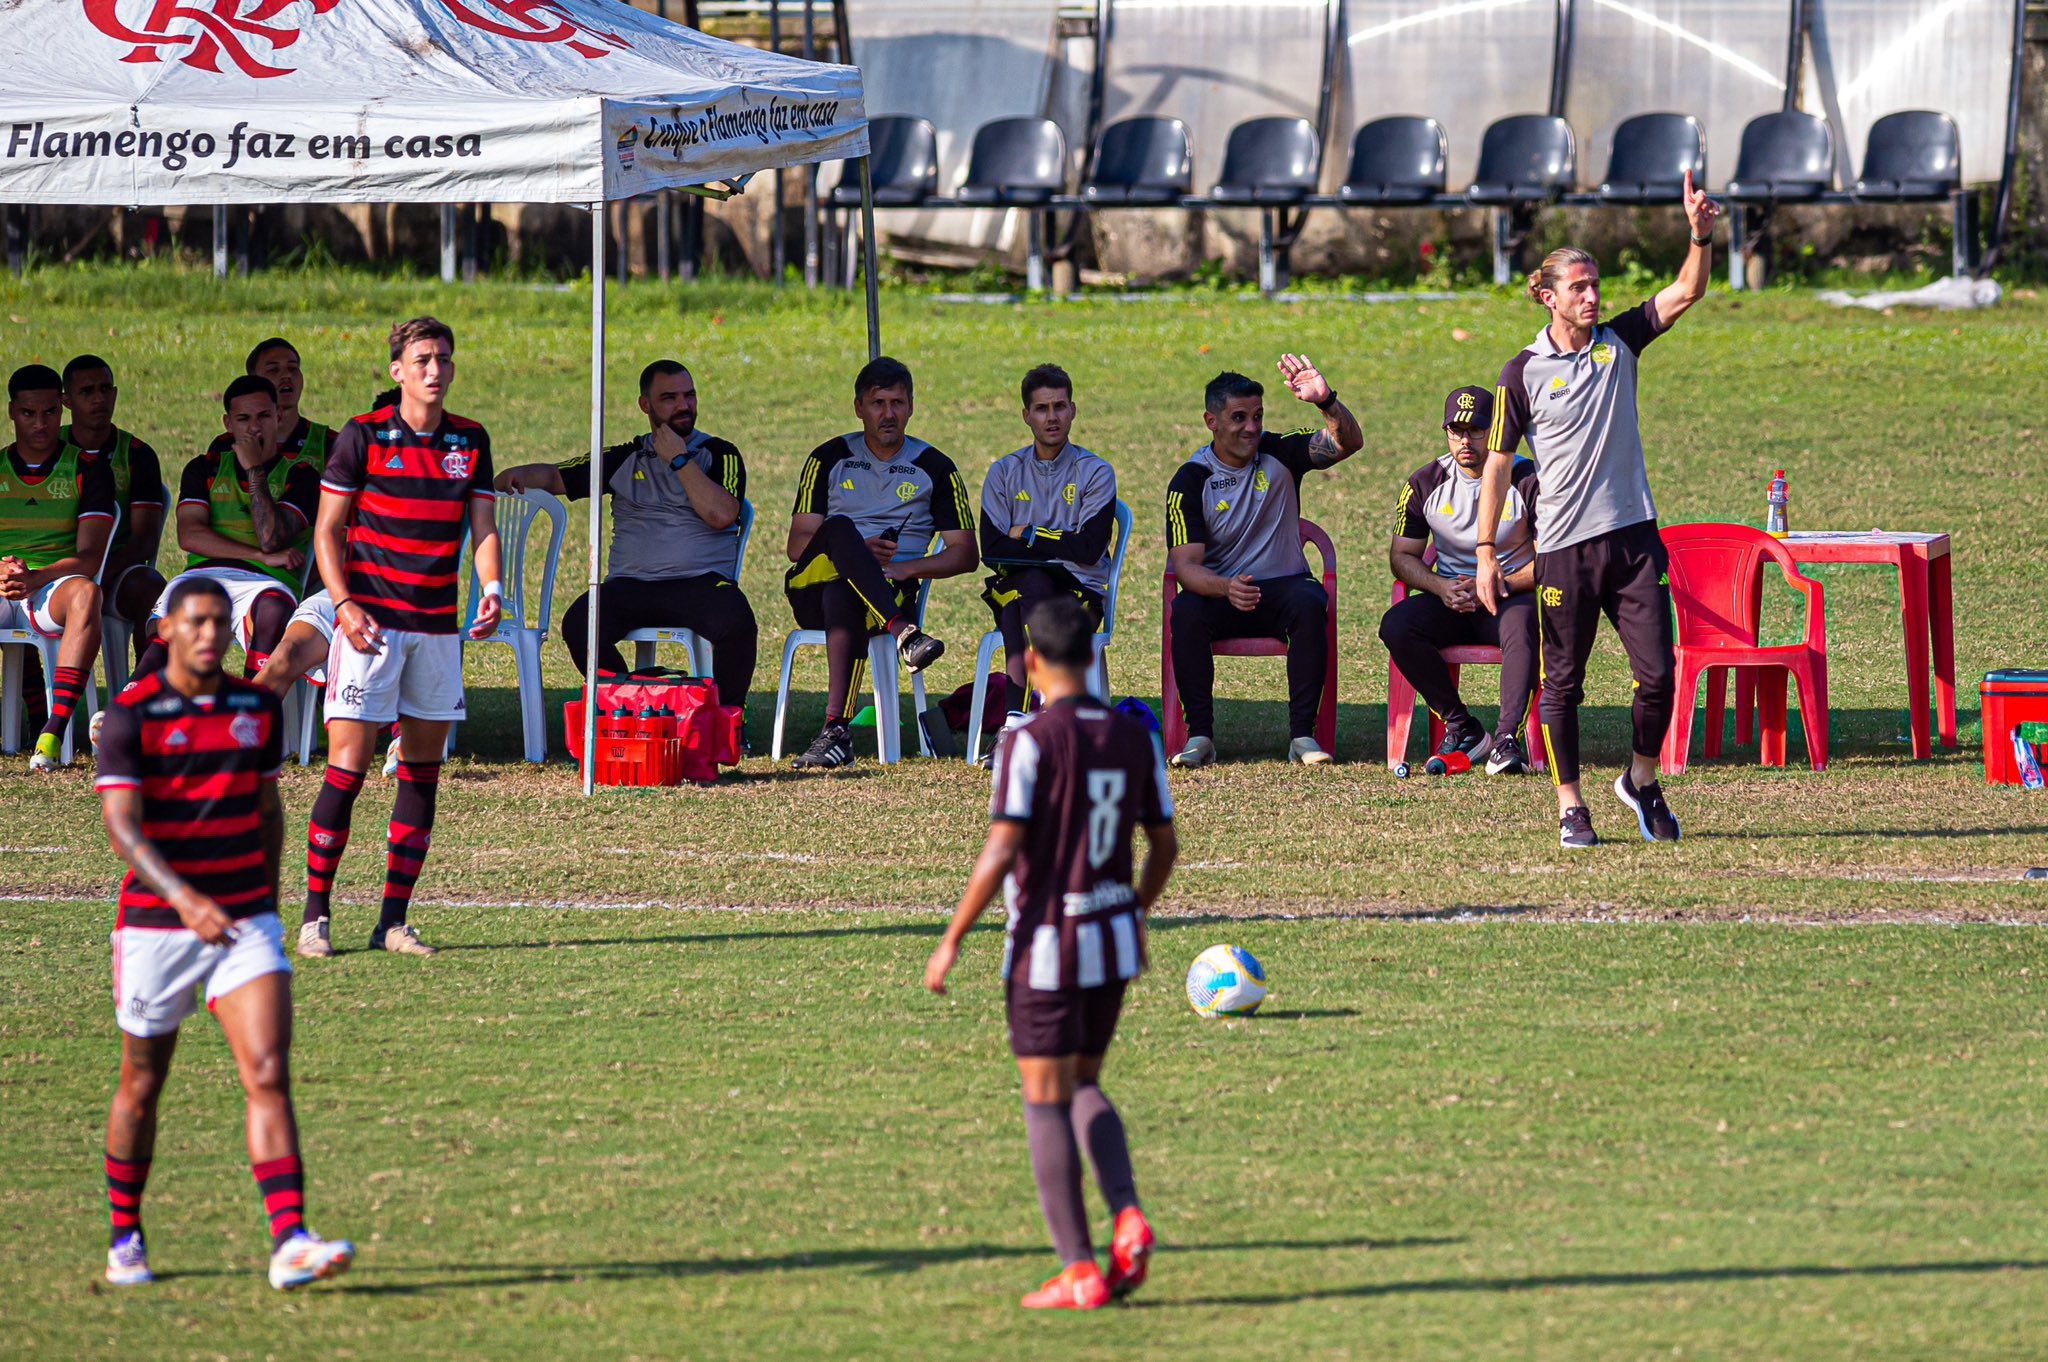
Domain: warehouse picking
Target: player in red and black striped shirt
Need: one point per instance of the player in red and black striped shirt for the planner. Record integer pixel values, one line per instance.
(403, 485)
(188, 766)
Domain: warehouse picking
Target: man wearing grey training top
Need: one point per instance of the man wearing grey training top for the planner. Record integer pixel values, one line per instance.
(1233, 540)
(1572, 393)
(676, 497)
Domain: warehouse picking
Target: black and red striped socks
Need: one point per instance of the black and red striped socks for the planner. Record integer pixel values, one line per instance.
(412, 828)
(125, 1181)
(327, 837)
(65, 687)
(283, 1185)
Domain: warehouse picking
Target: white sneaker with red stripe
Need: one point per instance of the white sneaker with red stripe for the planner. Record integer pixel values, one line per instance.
(306, 1257)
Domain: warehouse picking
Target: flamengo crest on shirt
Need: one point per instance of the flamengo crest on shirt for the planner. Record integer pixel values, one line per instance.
(201, 33)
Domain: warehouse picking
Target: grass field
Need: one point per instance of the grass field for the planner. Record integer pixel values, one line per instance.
(1681, 1122)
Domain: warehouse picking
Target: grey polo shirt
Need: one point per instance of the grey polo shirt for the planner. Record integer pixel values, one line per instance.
(911, 497)
(656, 533)
(1440, 503)
(1247, 519)
(1578, 412)
(1069, 502)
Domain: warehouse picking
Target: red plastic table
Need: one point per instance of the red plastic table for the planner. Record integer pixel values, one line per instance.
(1926, 603)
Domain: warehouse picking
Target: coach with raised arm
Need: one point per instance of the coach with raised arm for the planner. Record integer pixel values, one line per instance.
(1572, 393)
(1233, 540)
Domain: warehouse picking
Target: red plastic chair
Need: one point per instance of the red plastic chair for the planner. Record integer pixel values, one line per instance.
(1175, 723)
(1714, 571)
(1401, 696)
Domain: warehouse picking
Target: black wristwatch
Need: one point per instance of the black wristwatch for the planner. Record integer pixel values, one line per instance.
(1328, 402)
(676, 464)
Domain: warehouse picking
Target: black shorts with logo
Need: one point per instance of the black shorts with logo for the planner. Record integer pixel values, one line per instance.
(1049, 1023)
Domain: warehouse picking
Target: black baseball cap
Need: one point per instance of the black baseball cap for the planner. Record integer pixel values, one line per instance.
(1469, 406)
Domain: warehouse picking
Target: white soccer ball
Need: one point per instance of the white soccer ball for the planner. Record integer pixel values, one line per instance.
(1226, 981)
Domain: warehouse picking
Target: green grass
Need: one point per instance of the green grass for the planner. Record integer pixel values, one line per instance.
(695, 1134)
(731, 1133)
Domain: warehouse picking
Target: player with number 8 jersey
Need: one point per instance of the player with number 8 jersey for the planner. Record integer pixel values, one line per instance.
(1072, 784)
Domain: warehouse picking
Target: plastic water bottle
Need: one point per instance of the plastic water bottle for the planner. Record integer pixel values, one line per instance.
(1449, 764)
(2029, 765)
(1778, 523)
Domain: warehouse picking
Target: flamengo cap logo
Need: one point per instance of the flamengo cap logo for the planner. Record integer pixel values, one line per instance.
(200, 33)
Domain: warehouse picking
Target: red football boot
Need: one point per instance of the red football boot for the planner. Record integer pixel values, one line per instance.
(1079, 1287)
(1130, 1252)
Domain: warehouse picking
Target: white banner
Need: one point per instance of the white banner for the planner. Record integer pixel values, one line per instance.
(411, 101)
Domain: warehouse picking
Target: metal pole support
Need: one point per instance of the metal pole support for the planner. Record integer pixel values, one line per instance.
(597, 363)
(867, 250)
(1502, 230)
(447, 243)
(1963, 222)
(1738, 247)
(1034, 258)
(220, 241)
(1268, 275)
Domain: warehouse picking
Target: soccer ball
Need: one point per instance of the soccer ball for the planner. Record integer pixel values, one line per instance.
(1226, 981)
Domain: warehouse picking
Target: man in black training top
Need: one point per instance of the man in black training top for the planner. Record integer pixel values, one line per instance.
(1440, 503)
(1048, 513)
(1572, 393)
(867, 506)
(1072, 784)
(1233, 539)
(676, 495)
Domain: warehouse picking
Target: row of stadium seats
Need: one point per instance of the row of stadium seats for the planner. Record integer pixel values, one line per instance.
(1526, 161)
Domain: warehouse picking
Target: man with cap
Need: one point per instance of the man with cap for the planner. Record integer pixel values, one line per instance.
(1439, 503)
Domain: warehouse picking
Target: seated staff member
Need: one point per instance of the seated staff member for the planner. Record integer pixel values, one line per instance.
(130, 583)
(1440, 502)
(674, 562)
(861, 500)
(1048, 512)
(57, 507)
(1233, 537)
(245, 520)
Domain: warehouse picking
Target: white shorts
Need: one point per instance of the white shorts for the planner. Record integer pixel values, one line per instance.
(416, 676)
(34, 612)
(159, 971)
(318, 611)
(243, 586)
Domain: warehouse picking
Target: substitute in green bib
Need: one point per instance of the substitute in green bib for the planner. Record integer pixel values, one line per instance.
(245, 520)
(299, 437)
(130, 583)
(57, 509)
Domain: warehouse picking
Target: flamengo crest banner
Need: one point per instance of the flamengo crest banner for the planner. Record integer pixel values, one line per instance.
(428, 101)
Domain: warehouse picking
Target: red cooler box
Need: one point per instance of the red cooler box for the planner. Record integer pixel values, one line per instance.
(700, 736)
(2012, 697)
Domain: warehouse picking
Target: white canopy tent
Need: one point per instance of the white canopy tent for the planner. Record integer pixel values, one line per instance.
(127, 102)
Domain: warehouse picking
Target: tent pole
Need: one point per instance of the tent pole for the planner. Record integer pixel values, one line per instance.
(597, 233)
(220, 241)
(867, 251)
(447, 243)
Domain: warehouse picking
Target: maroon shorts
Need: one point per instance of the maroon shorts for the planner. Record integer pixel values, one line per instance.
(1051, 1023)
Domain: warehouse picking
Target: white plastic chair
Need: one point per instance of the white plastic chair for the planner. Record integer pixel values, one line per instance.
(14, 646)
(885, 678)
(1098, 673)
(697, 649)
(522, 627)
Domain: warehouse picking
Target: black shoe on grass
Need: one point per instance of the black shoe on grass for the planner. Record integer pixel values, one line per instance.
(1575, 828)
(919, 649)
(830, 750)
(1653, 815)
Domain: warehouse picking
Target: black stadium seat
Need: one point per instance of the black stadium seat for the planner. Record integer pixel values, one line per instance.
(1786, 158)
(1015, 163)
(903, 156)
(1142, 161)
(1397, 160)
(1269, 162)
(1911, 156)
(1651, 154)
(1524, 159)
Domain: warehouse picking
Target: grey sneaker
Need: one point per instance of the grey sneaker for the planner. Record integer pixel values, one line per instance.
(1198, 752)
(1653, 816)
(403, 939)
(1507, 757)
(315, 939)
(1575, 828)
(1307, 752)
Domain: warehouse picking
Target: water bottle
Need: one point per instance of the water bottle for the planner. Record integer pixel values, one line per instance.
(1778, 525)
(1449, 764)
(2028, 764)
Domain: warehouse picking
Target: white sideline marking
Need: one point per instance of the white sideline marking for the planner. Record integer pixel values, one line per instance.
(685, 854)
(37, 851)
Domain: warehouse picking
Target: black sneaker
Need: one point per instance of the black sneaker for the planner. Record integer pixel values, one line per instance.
(1653, 815)
(830, 750)
(1575, 829)
(1465, 735)
(919, 649)
(1507, 757)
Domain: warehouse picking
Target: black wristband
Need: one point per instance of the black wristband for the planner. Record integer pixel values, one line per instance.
(1706, 240)
(676, 464)
(1327, 402)
(1486, 544)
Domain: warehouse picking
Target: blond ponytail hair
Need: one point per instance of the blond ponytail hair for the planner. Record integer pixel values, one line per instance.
(1550, 274)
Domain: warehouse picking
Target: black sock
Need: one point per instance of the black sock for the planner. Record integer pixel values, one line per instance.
(1056, 1164)
(1101, 1132)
